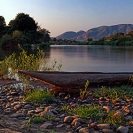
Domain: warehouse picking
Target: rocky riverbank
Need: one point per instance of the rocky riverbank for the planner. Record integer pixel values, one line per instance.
(15, 114)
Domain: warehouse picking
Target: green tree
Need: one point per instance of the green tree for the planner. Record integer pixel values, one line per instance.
(2, 26)
(5, 41)
(23, 22)
(17, 36)
(130, 34)
(90, 39)
(117, 36)
(25, 26)
(44, 35)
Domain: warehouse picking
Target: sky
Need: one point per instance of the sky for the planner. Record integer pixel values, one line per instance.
(59, 16)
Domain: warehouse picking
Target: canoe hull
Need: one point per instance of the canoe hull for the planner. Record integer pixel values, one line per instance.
(78, 79)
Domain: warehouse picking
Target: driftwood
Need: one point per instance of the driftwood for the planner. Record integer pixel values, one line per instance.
(77, 80)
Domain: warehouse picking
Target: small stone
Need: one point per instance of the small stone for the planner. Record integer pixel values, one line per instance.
(127, 110)
(68, 119)
(77, 122)
(46, 125)
(15, 103)
(49, 108)
(15, 115)
(46, 113)
(30, 112)
(123, 129)
(102, 126)
(128, 118)
(57, 119)
(84, 130)
(38, 110)
(18, 106)
(78, 128)
(27, 106)
(14, 93)
(60, 126)
(62, 115)
(107, 131)
(96, 132)
(93, 125)
(66, 97)
(131, 123)
(106, 108)
(62, 94)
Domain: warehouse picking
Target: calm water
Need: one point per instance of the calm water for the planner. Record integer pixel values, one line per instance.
(93, 58)
(89, 58)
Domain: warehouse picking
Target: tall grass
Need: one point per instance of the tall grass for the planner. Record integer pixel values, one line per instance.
(23, 61)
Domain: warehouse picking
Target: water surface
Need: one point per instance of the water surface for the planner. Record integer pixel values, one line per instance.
(79, 58)
(93, 58)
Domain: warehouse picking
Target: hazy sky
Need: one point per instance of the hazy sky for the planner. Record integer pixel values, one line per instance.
(59, 16)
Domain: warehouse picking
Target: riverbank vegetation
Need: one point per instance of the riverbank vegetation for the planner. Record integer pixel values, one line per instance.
(25, 61)
(119, 39)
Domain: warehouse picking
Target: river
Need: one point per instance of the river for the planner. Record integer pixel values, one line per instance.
(88, 58)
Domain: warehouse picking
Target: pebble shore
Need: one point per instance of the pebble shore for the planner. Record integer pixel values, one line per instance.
(15, 114)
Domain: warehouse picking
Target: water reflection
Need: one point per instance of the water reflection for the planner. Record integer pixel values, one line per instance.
(94, 58)
(7, 52)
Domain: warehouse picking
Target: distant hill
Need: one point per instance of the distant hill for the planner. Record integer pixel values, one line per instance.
(96, 33)
(70, 34)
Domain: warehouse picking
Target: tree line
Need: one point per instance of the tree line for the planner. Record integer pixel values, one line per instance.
(21, 30)
(118, 39)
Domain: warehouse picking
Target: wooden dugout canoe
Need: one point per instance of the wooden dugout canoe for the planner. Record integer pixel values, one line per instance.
(77, 80)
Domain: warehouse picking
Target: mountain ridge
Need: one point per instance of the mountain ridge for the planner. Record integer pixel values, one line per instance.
(97, 32)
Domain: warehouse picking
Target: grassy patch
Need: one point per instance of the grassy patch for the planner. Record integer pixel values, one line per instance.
(113, 119)
(39, 96)
(86, 111)
(40, 119)
(64, 107)
(36, 120)
(123, 92)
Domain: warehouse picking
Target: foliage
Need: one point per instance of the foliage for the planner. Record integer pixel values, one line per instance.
(23, 29)
(86, 111)
(2, 25)
(113, 118)
(39, 96)
(39, 119)
(24, 61)
(123, 92)
(90, 39)
(23, 22)
(17, 36)
(44, 35)
(64, 107)
(84, 92)
(5, 40)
